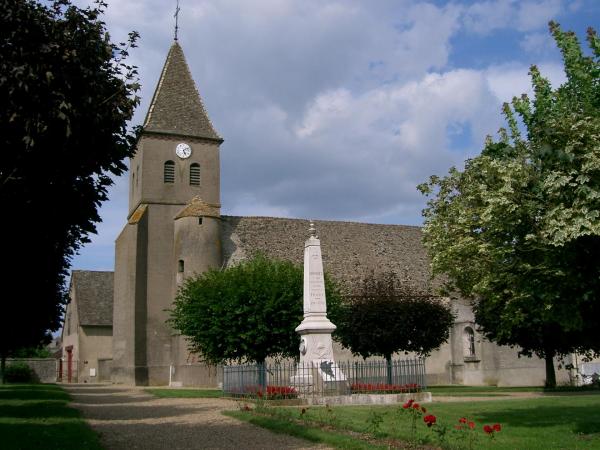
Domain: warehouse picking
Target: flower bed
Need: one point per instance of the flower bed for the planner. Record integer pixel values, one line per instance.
(271, 392)
(381, 388)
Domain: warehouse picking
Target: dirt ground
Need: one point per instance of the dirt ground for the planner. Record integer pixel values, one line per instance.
(129, 418)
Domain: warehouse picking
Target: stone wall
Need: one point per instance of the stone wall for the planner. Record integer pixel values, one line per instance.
(45, 369)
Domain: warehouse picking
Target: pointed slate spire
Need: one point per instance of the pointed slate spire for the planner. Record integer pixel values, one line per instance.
(176, 106)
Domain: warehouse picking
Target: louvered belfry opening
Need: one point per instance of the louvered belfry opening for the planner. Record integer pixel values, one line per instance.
(195, 174)
(169, 172)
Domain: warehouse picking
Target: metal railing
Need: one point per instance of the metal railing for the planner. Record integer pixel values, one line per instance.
(324, 378)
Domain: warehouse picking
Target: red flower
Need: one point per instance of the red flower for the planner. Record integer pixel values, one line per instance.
(415, 406)
(429, 420)
(462, 420)
(410, 402)
(406, 406)
(488, 429)
(497, 427)
(471, 425)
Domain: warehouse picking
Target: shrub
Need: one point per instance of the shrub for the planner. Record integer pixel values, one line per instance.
(19, 372)
(381, 388)
(271, 393)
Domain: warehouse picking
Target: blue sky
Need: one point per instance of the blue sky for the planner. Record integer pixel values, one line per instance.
(338, 109)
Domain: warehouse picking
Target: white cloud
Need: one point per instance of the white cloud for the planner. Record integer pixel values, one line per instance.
(512, 79)
(362, 154)
(537, 43)
(536, 14)
(485, 17)
(524, 15)
(331, 109)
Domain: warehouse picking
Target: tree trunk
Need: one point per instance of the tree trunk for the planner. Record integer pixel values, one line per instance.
(388, 360)
(262, 376)
(3, 368)
(550, 373)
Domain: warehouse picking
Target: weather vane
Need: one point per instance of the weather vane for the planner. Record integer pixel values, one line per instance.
(176, 15)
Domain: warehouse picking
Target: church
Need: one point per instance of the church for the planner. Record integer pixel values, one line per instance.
(175, 229)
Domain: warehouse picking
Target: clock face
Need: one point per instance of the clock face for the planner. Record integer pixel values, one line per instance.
(183, 150)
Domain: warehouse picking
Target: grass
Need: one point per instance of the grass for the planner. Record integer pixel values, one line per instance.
(186, 393)
(457, 390)
(556, 422)
(468, 390)
(36, 416)
(471, 394)
(312, 434)
(493, 391)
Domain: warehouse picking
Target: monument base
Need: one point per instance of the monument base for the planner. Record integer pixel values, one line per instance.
(315, 347)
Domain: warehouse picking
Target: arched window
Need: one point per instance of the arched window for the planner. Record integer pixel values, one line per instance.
(469, 342)
(169, 172)
(195, 174)
(180, 266)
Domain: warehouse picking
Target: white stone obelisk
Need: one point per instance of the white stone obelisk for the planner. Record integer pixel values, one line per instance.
(316, 346)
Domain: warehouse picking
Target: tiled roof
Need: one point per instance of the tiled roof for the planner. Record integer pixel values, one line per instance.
(137, 214)
(350, 250)
(199, 208)
(176, 106)
(94, 297)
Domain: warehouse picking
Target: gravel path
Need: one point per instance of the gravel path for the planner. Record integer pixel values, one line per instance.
(129, 418)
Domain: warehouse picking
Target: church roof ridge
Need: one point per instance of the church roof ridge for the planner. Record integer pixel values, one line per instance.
(91, 270)
(176, 106)
(417, 227)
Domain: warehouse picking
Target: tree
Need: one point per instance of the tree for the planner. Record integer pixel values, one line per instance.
(244, 313)
(385, 316)
(518, 230)
(32, 352)
(66, 95)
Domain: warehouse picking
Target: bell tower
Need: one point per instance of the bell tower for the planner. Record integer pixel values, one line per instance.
(177, 157)
(177, 160)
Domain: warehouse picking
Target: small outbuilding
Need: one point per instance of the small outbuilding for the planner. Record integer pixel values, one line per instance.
(87, 328)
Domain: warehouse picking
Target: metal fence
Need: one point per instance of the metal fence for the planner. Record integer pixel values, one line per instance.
(324, 378)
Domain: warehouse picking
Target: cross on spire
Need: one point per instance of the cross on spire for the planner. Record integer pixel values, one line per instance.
(176, 15)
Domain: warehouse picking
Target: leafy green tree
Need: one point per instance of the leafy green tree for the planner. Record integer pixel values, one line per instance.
(518, 230)
(385, 316)
(244, 313)
(66, 95)
(32, 352)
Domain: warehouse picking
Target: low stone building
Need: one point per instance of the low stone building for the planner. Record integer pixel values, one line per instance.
(87, 329)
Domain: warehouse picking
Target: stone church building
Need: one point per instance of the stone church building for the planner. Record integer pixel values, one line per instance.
(175, 229)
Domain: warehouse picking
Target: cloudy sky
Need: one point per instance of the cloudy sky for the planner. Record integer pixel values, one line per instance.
(337, 109)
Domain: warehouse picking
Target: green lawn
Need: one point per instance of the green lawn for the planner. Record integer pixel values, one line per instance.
(312, 434)
(186, 393)
(557, 422)
(456, 390)
(468, 390)
(37, 417)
